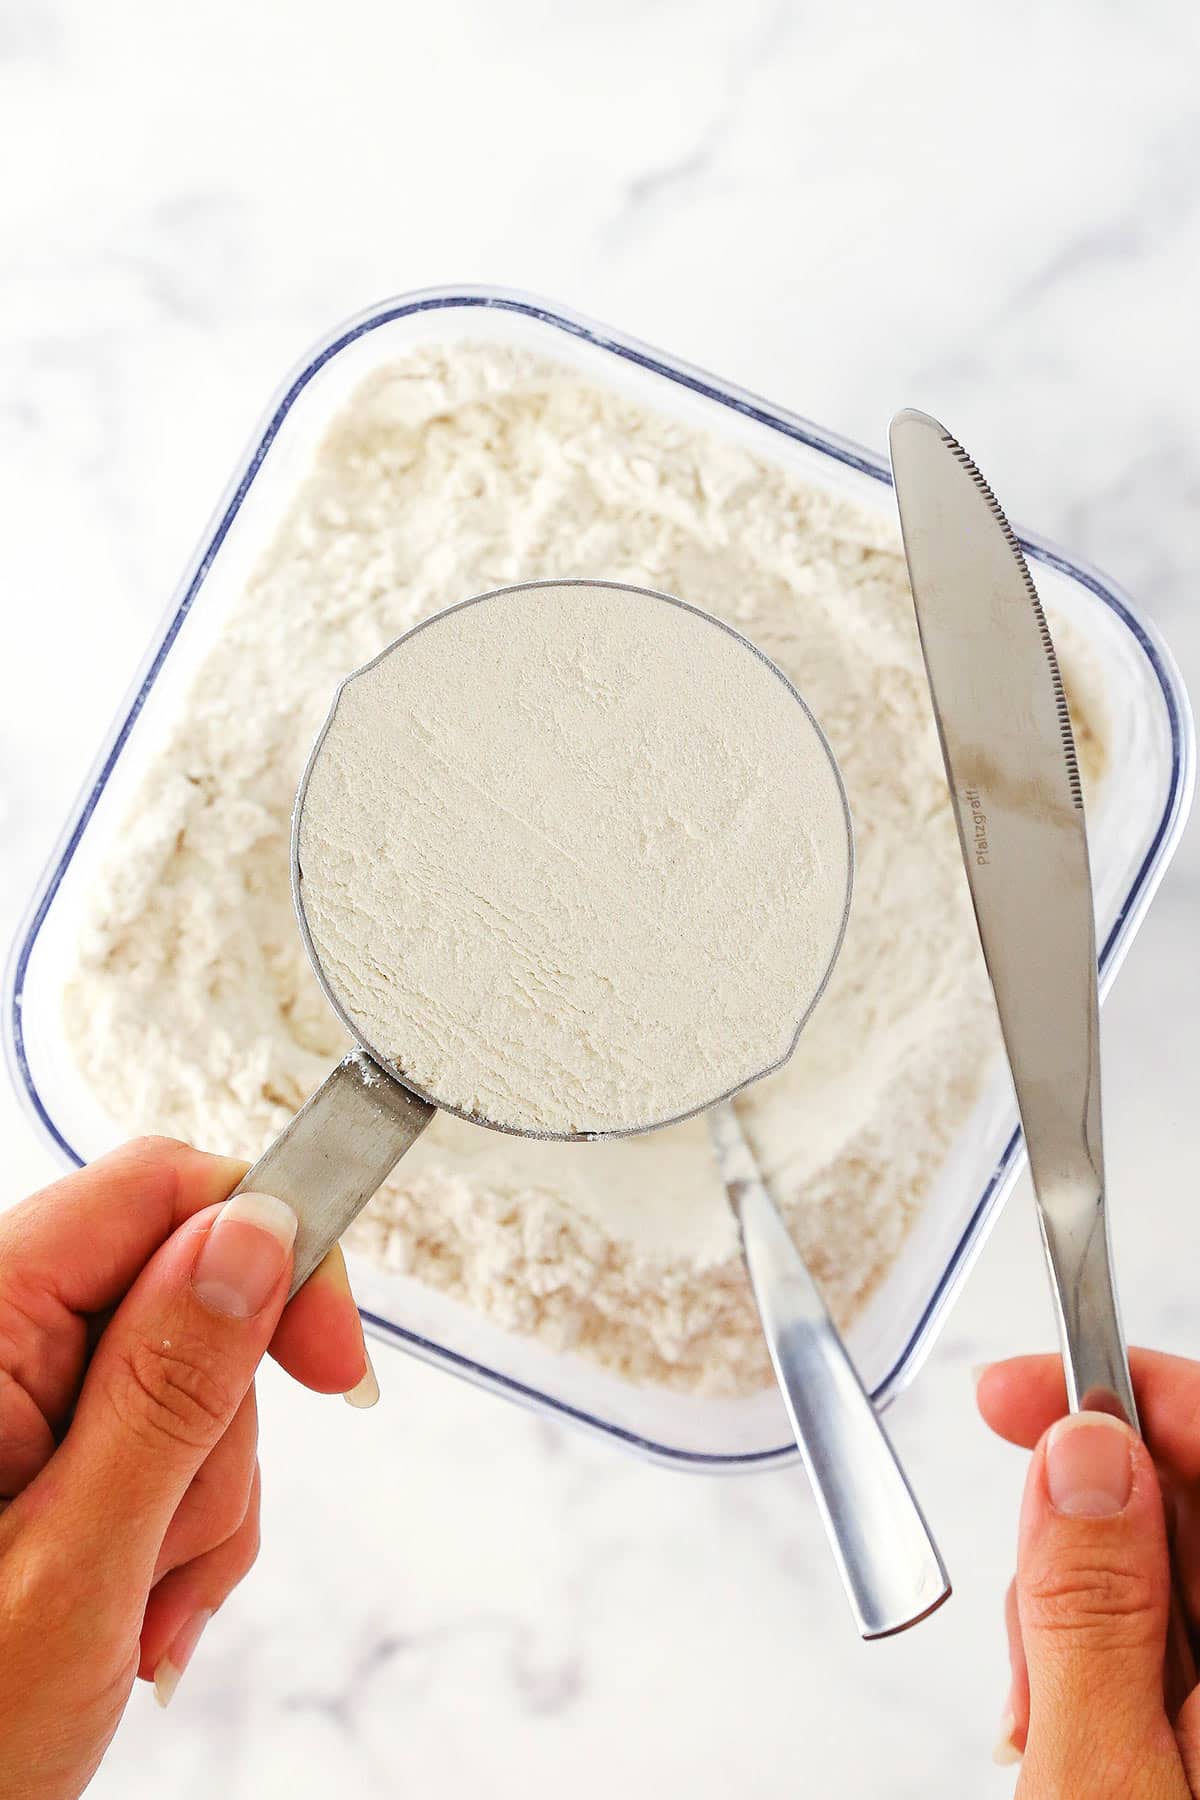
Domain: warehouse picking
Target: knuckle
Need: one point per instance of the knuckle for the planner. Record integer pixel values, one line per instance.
(251, 1531)
(32, 1591)
(212, 1518)
(170, 1389)
(237, 1560)
(251, 1545)
(157, 1143)
(1095, 1601)
(153, 1150)
(52, 1618)
(152, 1167)
(227, 1510)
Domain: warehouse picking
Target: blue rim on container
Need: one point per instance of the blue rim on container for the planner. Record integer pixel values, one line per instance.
(799, 430)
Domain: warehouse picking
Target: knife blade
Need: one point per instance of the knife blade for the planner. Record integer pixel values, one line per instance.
(1018, 803)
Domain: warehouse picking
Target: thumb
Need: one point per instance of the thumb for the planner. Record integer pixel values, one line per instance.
(1093, 1585)
(170, 1371)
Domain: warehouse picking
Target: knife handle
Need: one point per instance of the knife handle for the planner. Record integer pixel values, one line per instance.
(888, 1561)
(1075, 1235)
(1097, 1373)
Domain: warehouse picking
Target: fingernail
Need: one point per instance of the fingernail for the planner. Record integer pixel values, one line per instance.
(244, 1254)
(169, 1672)
(978, 1371)
(333, 1272)
(1089, 1469)
(1006, 1751)
(366, 1392)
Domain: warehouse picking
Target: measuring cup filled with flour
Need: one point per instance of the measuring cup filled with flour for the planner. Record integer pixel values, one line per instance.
(573, 860)
(570, 860)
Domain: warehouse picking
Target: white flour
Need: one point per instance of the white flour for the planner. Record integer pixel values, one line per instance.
(574, 860)
(194, 1009)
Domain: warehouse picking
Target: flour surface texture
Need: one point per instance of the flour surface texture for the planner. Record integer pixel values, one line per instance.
(574, 860)
(193, 1008)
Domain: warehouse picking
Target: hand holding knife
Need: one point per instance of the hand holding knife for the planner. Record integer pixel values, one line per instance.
(1006, 738)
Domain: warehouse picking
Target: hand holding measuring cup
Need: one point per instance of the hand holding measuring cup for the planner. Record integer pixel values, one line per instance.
(136, 1302)
(578, 874)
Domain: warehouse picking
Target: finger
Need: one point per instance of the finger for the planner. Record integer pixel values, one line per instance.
(1014, 1724)
(215, 1504)
(319, 1340)
(166, 1380)
(88, 1235)
(1187, 1733)
(26, 1441)
(75, 1247)
(1021, 1398)
(1183, 1534)
(181, 1605)
(1093, 1587)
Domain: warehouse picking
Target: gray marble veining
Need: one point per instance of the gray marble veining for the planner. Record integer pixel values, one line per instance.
(848, 209)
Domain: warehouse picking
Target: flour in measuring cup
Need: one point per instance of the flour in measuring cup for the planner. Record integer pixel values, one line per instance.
(574, 860)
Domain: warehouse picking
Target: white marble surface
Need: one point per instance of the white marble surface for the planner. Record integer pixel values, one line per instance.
(990, 213)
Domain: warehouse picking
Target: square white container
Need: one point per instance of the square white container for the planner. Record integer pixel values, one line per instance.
(1133, 831)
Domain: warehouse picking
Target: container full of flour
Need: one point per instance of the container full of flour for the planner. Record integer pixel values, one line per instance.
(447, 442)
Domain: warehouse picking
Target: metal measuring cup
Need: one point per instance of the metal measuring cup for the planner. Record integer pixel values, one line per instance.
(344, 1142)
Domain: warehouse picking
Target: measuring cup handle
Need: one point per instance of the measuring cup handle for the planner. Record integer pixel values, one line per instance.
(337, 1151)
(889, 1563)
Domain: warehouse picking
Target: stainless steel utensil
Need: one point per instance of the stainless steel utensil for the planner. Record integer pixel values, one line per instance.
(1010, 760)
(1018, 803)
(338, 1150)
(350, 1134)
(889, 1563)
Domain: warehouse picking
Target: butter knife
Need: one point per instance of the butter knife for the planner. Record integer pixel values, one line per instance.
(1018, 803)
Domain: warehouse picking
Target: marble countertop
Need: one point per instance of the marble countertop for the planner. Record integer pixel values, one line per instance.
(846, 209)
